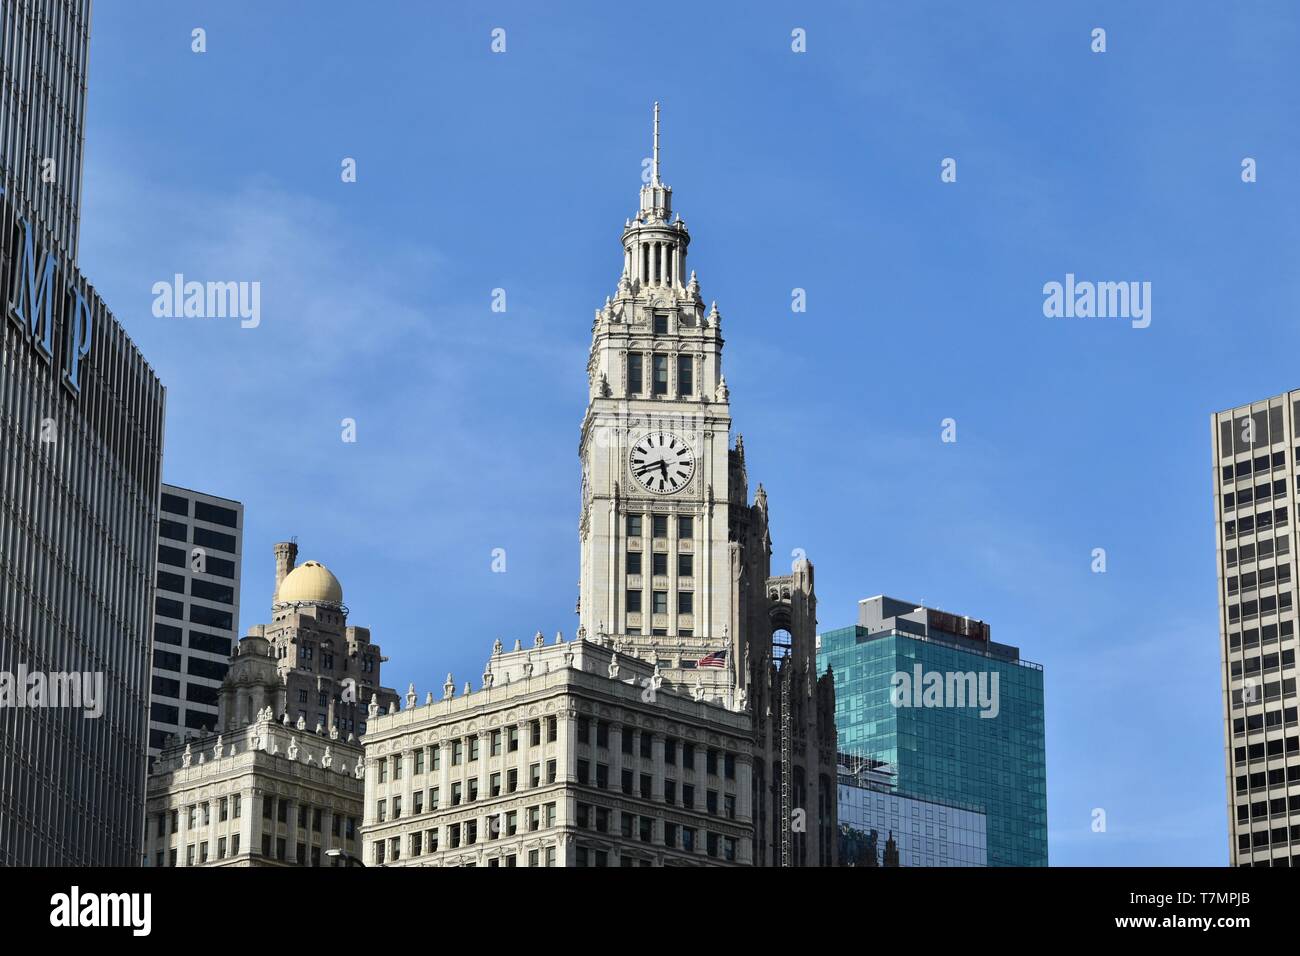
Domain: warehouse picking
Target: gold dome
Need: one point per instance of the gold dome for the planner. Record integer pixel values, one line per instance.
(311, 582)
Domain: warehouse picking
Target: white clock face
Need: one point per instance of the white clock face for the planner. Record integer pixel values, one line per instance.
(662, 462)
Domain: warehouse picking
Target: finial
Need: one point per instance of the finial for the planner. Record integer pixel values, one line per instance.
(656, 163)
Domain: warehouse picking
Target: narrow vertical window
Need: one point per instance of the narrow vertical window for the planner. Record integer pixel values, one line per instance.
(685, 374)
(660, 375)
(634, 373)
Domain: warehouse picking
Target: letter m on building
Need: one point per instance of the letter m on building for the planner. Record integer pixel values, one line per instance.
(35, 293)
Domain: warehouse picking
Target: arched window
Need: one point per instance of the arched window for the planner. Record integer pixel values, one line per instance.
(782, 644)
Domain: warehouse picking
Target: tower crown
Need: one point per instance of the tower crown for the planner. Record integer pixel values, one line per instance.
(654, 248)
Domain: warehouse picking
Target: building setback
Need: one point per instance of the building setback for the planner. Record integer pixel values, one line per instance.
(1256, 452)
(196, 610)
(81, 430)
(968, 741)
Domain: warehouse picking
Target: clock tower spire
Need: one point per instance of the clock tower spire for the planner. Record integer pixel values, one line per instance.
(675, 560)
(655, 452)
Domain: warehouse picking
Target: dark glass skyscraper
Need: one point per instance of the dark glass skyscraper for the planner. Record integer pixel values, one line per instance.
(81, 427)
(926, 699)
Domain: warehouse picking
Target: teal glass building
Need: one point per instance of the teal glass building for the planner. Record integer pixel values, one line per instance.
(938, 746)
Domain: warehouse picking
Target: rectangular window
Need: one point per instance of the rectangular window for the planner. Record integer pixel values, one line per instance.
(661, 323)
(216, 515)
(633, 602)
(633, 374)
(685, 374)
(634, 562)
(214, 539)
(634, 526)
(685, 602)
(659, 525)
(211, 591)
(685, 527)
(660, 382)
(660, 602)
(686, 565)
(171, 582)
(659, 562)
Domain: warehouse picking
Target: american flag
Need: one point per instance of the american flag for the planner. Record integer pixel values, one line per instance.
(716, 659)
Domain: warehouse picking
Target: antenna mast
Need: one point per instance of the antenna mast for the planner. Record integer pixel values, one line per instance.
(656, 163)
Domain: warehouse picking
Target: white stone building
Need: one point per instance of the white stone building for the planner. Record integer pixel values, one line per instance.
(271, 794)
(568, 754)
(280, 782)
(675, 588)
(675, 559)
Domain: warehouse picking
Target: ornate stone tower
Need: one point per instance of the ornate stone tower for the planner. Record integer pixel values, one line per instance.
(675, 561)
(308, 663)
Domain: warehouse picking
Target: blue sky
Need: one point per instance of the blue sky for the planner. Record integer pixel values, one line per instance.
(817, 170)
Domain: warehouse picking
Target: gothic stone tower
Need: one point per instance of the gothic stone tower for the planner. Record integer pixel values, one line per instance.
(675, 561)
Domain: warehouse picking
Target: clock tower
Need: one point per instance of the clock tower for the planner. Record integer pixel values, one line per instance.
(655, 456)
(675, 559)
